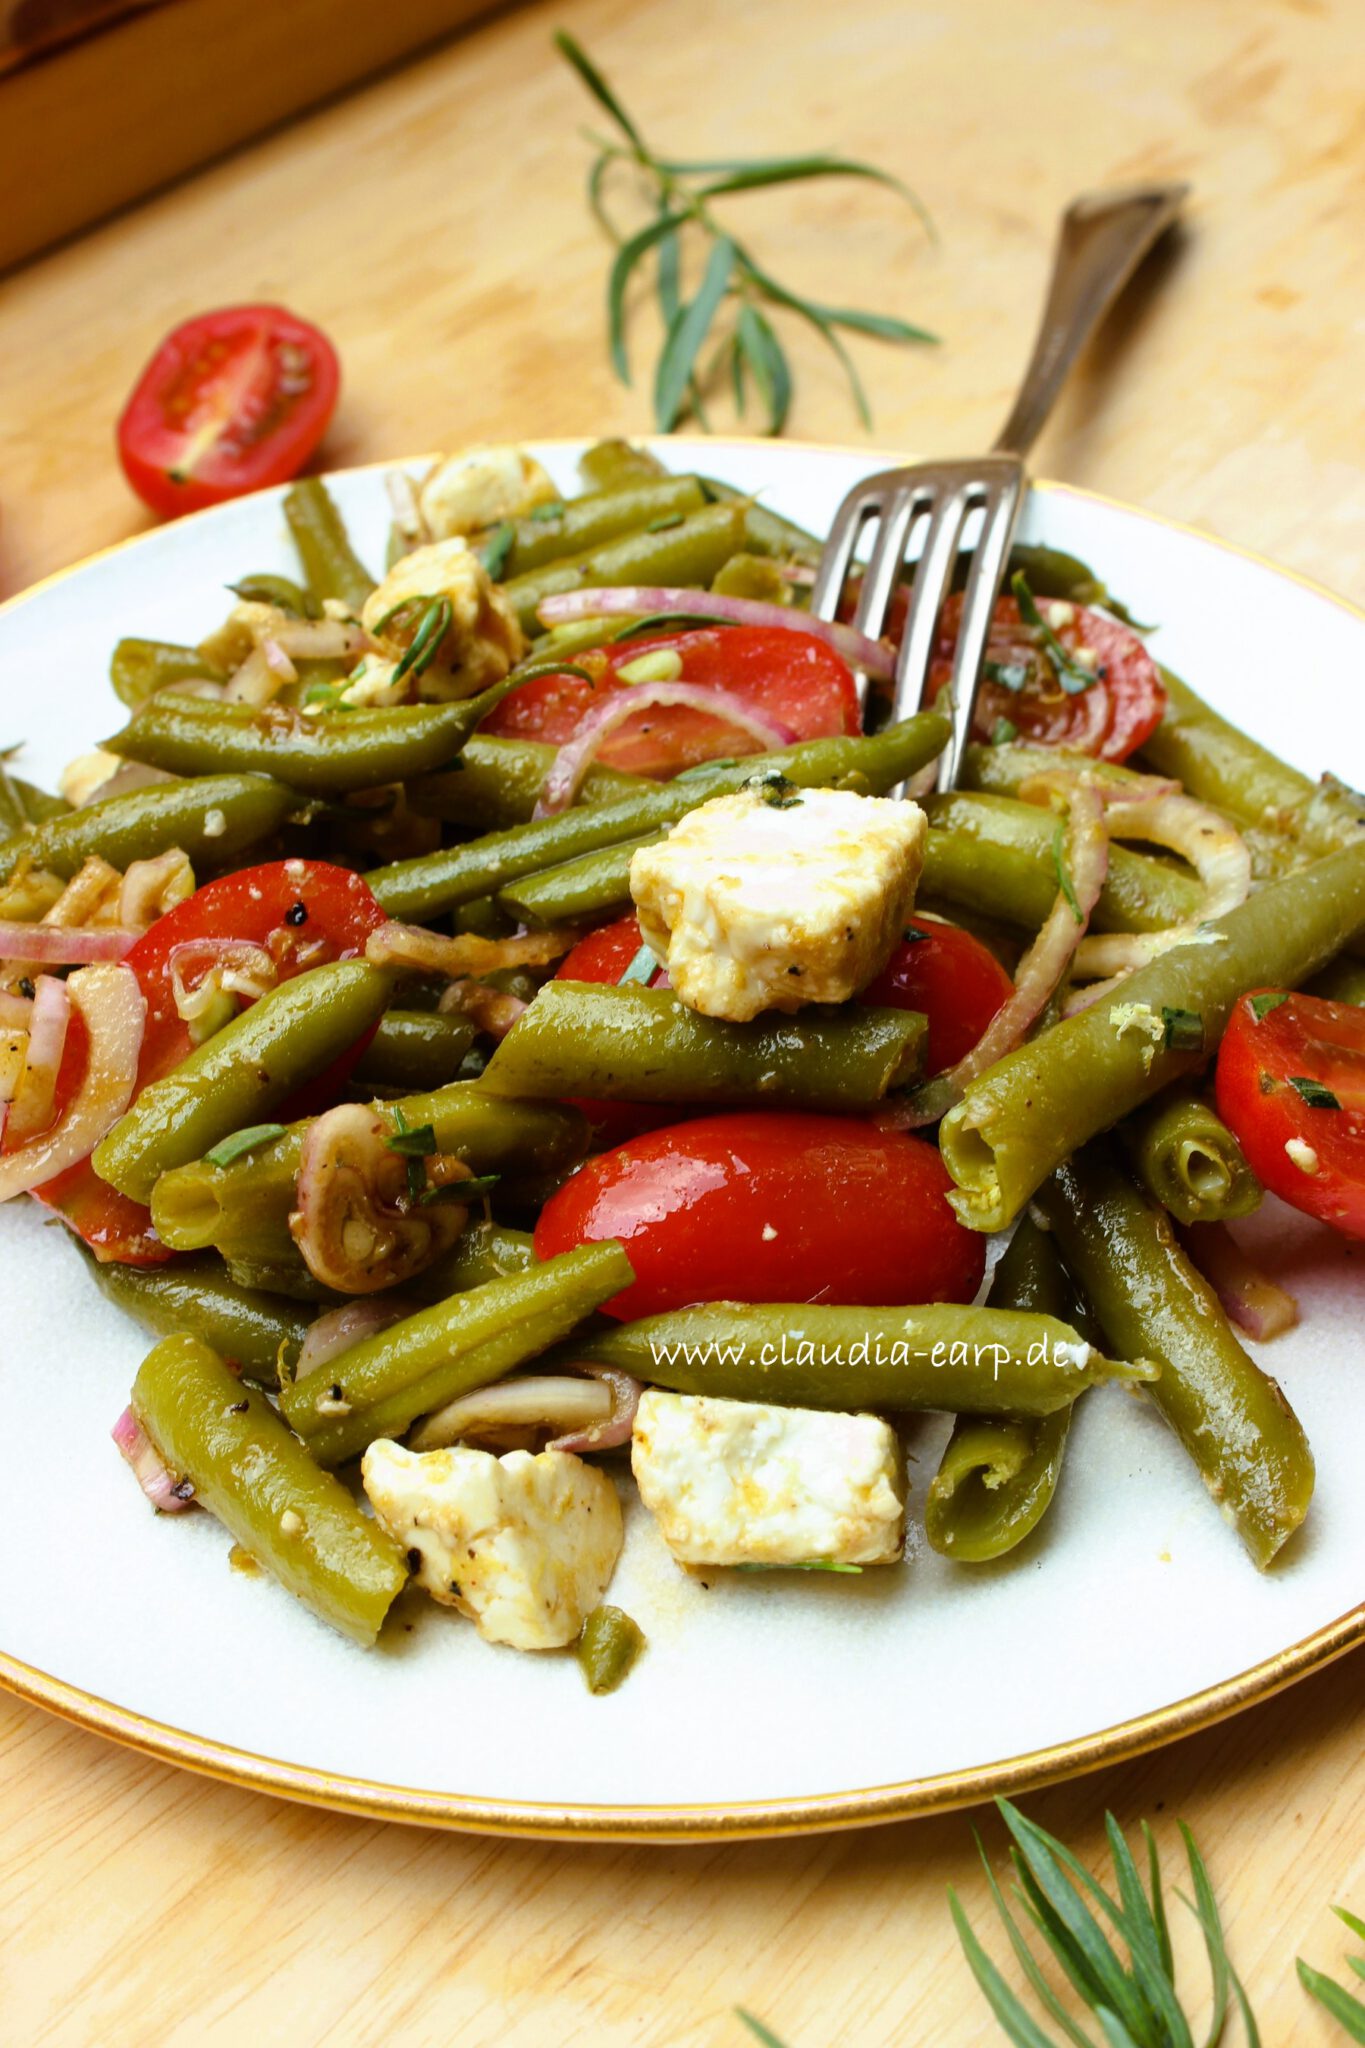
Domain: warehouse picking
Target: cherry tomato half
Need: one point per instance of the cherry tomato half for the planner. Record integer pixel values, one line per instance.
(604, 955)
(1110, 717)
(305, 913)
(794, 680)
(764, 1206)
(231, 401)
(955, 980)
(1291, 1085)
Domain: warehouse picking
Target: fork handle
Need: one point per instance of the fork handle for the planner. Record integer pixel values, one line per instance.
(1103, 238)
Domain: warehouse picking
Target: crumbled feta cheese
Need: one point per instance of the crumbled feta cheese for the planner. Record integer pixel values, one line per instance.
(1058, 613)
(372, 682)
(1141, 1019)
(739, 1482)
(483, 639)
(215, 823)
(524, 1545)
(768, 1233)
(82, 777)
(760, 905)
(481, 487)
(1303, 1155)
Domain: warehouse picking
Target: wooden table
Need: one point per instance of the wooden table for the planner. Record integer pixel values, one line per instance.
(434, 224)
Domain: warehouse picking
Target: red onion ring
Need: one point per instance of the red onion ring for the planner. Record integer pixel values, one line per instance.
(56, 945)
(619, 1425)
(575, 757)
(1252, 1300)
(350, 1324)
(115, 1014)
(874, 657)
(31, 1109)
(167, 1494)
(243, 968)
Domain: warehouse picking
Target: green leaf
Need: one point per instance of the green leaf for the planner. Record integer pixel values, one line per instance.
(643, 966)
(432, 628)
(1356, 1925)
(232, 1148)
(1064, 881)
(495, 550)
(618, 278)
(1261, 1007)
(1151, 1972)
(689, 329)
(1052, 1867)
(1313, 1092)
(767, 359)
(1163, 1932)
(1345, 2009)
(1184, 1029)
(758, 2030)
(596, 84)
(748, 174)
(818, 319)
(1027, 1963)
(881, 326)
(1014, 2017)
(1205, 1910)
(667, 272)
(602, 163)
(1072, 677)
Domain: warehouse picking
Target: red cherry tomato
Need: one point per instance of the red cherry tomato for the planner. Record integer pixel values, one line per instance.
(1110, 718)
(765, 1206)
(231, 401)
(604, 955)
(1293, 1076)
(305, 913)
(952, 978)
(800, 684)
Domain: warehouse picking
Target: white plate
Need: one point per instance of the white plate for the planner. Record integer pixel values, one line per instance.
(762, 1705)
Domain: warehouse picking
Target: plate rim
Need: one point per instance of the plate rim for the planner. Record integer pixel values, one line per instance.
(734, 1820)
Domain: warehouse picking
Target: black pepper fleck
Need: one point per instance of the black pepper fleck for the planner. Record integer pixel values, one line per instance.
(296, 914)
(336, 1391)
(414, 1560)
(240, 1408)
(26, 988)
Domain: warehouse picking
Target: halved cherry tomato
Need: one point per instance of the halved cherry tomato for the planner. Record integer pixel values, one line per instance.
(231, 401)
(797, 682)
(1291, 1085)
(604, 955)
(952, 978)
(1110, 717)
(305, 913)
(764, 1206)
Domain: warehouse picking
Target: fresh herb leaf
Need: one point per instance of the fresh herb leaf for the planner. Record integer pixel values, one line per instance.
(643, 965)
(1064, 881)
(758, 346)
(432, 628)
(1334, 1998)
(618, 278)
(461, 1190)
(688, 330)
(413, 1143)
(551, 509)
(812, 1564)
(913, 936)
(775, 790)
(1070, 674)
(1011, 675)
(569, 47)
(758, 2030)
(1184, 1030)
(495, 550)
(1003, 731)
(232, 1148)
(665, 524)
(1313, 1092)
(668, 622)
(1261, 1006)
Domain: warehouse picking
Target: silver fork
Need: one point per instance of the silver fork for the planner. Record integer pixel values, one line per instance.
(922, 513)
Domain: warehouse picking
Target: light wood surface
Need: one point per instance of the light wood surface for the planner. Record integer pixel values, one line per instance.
(435, 226)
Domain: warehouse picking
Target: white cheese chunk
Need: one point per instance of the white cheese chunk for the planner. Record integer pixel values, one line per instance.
(739, 1482)
(524, 1545)
(84, 776)
(483, 639)
(760, 905)
(481, 487)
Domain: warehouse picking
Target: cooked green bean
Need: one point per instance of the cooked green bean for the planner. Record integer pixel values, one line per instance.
(991, 853)
(642, 1045)
(997, 1475)
(1033, 1108)
(139, 668)
(608, 1647)
(485, 1251)
(23, 803)
(1233, 1420)
(1002, 770)
(594, 886)
(280, 591)
(212, 818)
(415, 1049)
(330, 564)
(237, 1077)
(329, 754)
(1188, 1160)
(586, 523)
(765, 532)
(689, 553)
(242, 1209)
(285, 1275)
(610, 465)
(381, 1385)
(496, 783)
(433, 883)
(969, 1361)
(196, 1297)
(1343, 981)
(301, 1524)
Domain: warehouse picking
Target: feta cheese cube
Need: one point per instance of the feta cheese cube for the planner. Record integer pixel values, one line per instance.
(83, 777)
(524, 1545)
(755, 904)
(481, 487)
(739, 1482)
(483, 639)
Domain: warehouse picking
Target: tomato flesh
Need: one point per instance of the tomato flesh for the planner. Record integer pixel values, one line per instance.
(1291, 1086)
(952, 978)
(230, 401)
(604, 955)
(803, 687)
(763, 1206)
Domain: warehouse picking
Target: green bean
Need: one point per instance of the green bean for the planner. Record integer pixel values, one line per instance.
(642, 1045)
(997, 1475)
(1343, 981)
(485, 1251)
(330, 564)
(969, 1361)
(242, 1209)
(608, 1647)
(23, 803)
(757, 577)
(1051, 573)
(195, 1297)
(280, 591)
(299, 1523)
(991, 853)
(285, 1275)
(690, 553)
(237, 1077)
(496, 783)
(139, 668)
(1028, 1112)
(610, 465)
(381, 1385)
(415, 1049)
(212, 818)
(594, 886)
(1243, 1436)
(329, 754)
(1188, 1160)
(433, 883)
(1002, 770)
(765, 532)
(586, 523)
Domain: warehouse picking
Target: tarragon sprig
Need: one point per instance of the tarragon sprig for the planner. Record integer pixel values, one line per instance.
(727, 308)
(1341, 2003)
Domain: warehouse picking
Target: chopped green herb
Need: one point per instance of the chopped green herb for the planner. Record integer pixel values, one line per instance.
(1011, 675)
(431, 631)
(642, 966)
(1261, 1006)
(665, 525)
(912, 935)
(775, 790)
(461, 1190)
(232, 1148)
(1313, 1092)
(1003, 731)
(1064, 881)
(410, 1143)
(666, 622)
(1184, 1030)
(327, 696)
(498, 546)
(813, 1564)
(542, 514)
(1072, 677)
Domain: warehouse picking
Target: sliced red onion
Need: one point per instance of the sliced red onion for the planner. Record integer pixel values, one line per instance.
(320, 639)
(115, 1013)
(237, 966)
(31, 1109)
(575, 757)
(413, 945)
(1252, 1300)
(355, 1221)
(519, 1408)
(492, 1009)
(253, 681)
(58, 945)
(350, 1324)
(277, 661)
(167, 1494)
(874, 657)
(619, 1425)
